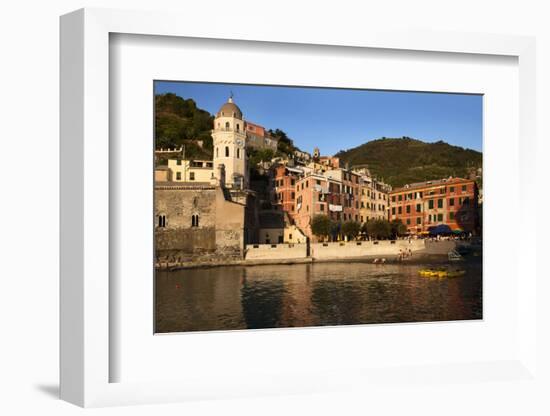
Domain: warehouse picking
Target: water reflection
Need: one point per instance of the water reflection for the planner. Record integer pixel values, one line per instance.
(311, 294)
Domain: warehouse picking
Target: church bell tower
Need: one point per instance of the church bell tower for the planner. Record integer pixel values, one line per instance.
(229, 141)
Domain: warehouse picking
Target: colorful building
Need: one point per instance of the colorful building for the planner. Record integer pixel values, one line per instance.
(323, 188)
(452, 201)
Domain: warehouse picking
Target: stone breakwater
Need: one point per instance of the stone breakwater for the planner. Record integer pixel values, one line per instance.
(420, 251)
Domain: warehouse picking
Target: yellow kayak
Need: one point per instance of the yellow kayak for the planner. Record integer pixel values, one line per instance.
(441, 273)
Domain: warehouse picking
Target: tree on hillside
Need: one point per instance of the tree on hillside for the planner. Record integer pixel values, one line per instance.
(261, 155)
(179, 120)
(321, 226)
(350, 229)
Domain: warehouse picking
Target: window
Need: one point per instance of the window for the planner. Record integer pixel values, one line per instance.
(451, 215)
(442, 191)
(195, 220)
(439, 217)
(322, 207)
(393, 211)
(226, 151)
(399, 210)
(418, 207)
(290, 236)
(463, 188)
(466, 201)
(307, 184)
(393, 198)
(362, 218)
(452, 189)
(431, 204)
(292, 182)
(292, 208)
(440, 203)
(162, 221)
(408, 209)
(238, 153)
(451, 202)
(292, 195)
(410, 196)
(178, 162)
(227, 125)
(418, 220)
(238, 127)
(408, 221)
(399, 197)
(191, 176)
(178, 176)
(217, 152)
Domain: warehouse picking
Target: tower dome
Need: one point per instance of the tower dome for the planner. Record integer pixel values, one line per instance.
(230, 109)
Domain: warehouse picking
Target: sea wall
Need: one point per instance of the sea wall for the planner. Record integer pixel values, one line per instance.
(275, 251)
(353, 249)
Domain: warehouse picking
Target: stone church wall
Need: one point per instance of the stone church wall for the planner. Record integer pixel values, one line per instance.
(220, 230)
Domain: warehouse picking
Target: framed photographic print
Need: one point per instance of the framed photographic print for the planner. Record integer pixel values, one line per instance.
(255, 229)
(245, 216)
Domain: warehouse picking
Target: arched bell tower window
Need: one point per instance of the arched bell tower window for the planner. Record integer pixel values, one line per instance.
(195, 220)
(226, 151)
(162, 221)
(237, 125)
(227, 125)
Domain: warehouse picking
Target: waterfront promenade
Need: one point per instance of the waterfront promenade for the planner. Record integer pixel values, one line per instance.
(418, 251)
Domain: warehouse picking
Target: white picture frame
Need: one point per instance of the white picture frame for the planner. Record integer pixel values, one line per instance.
(85, 211)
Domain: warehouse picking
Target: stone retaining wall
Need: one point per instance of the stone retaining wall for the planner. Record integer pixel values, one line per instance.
(275, 251)
(352, 249)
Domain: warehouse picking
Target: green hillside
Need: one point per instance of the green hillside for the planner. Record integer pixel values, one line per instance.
(179, 121)
(405, 160)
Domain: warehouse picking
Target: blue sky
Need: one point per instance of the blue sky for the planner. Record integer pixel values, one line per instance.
(336, 119)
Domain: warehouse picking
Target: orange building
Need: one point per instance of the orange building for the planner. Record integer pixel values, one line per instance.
(452, 201)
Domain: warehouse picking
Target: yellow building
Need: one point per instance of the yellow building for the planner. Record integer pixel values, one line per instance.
(190, 170)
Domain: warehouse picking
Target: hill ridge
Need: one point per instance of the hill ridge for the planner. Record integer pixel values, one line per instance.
(405, 160)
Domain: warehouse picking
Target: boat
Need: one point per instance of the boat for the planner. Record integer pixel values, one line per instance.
(441, 272)
(454, 255)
